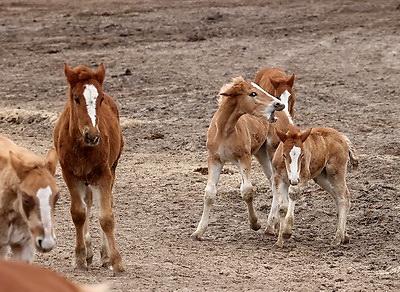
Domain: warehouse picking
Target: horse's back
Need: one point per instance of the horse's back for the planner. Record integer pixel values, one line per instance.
(329, 141)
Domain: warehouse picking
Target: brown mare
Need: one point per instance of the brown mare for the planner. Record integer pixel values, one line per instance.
(89, 142)
(236, 132)
(275, 82)
(320, 154)
(28, 194)
(18, 277)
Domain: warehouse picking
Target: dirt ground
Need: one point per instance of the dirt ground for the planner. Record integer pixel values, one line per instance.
(166, 61)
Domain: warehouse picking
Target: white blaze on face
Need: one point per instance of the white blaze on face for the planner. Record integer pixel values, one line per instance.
(285, 99)
(90, 93)
(294, 169)
(45, 213)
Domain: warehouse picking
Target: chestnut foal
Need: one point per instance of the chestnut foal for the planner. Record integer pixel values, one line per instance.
(275, 82)
(237, 131)
(89, 142)
(320, 154)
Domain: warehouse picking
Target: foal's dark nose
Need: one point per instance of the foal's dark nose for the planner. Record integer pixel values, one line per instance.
(92, 140)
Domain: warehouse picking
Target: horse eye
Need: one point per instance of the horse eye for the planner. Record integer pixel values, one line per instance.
(101, 100)
(284, 156)
(253, 94)
(77, 101)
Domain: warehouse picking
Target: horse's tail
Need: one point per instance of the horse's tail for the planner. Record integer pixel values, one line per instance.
(353, 157)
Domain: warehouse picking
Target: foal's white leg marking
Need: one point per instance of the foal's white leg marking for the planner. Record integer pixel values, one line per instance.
(209, 198)
(285, 99)
(45, 213)
(294, 169)
(90, 93)
(104, 243)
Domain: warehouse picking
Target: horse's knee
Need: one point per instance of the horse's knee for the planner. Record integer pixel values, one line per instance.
(210, 195)
(78, 217)
(247, 192)
(283, 210)
(107, 223)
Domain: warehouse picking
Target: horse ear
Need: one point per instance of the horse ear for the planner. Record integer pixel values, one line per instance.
(304, 135)
(274, 82)
(282, 136)
(51, 160)
(290, 81)
(19, 167)
(101, 73)
(72, 77)
(229, 92)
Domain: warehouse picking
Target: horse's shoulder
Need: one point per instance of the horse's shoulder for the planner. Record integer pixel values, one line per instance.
(112, 104)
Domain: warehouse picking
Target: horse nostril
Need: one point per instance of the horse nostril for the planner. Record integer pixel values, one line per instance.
(279, 106)
(40, 242)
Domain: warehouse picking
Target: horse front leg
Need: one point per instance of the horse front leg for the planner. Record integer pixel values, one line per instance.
(107, 223)
(287, 213)
(247, 191)
(78, 211)
(210, 193)
(86, 228)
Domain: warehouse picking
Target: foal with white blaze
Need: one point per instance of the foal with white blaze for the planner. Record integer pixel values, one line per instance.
(28, 194)
(89, 142)
(237, 131)
(320, 154)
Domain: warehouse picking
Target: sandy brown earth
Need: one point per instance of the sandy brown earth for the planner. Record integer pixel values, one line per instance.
(166, 61)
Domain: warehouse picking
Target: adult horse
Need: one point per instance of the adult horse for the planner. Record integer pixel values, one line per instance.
(89, 142)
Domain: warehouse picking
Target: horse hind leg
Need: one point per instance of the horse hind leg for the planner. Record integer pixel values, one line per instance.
(210, 193)
(335, 184)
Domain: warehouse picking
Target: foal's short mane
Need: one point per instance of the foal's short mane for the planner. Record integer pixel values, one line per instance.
(85, 73)
(237, 83)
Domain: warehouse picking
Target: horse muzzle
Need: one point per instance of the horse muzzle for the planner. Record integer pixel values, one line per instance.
(91, 140)
(45, 244)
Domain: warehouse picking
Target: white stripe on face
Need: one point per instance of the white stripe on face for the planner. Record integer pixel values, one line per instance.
(90, 93)
(285, 99)
(294, 170)
(45, 213)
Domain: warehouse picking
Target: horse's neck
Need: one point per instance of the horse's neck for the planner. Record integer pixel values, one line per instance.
(226, 119)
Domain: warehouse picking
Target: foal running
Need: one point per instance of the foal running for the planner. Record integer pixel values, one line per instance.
(89, 142)
(237, 131)
(320, 154)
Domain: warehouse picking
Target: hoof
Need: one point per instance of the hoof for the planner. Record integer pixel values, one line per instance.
(286, 236)
(118, 270)
(82, 268)
(255, 226)
(196, 236)
(279, 243)
(89, 260)
(106, 264)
